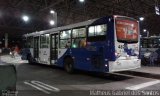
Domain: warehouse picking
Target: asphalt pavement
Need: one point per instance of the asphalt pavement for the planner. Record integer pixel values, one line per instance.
(42, 80)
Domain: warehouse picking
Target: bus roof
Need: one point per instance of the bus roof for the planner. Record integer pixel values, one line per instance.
(80, 24)
(56, 30)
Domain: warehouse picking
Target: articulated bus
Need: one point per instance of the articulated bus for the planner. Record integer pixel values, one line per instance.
(150, 49)
(106, 44)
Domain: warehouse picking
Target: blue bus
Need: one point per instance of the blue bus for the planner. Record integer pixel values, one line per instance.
(107, 44)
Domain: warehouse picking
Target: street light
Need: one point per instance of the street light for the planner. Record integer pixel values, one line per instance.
(141, 18)
(52, 22)
(144, 30)
(25, 18)
(81, 1)
(52, 11)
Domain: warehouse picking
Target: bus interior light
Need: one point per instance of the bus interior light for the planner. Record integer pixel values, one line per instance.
(64, 34)
(91, 30)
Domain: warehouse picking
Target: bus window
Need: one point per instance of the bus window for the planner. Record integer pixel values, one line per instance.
(91, 31)
(155, 43)
(97, 33)
(83, 43)
(44, 41)
(97, 30)
(65, 39)
(100, 29)
(144, 43)
(78, 35)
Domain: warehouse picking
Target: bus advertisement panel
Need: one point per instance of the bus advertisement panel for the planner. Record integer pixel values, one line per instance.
(127, 30)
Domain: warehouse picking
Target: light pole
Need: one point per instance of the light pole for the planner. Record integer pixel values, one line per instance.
(54, 21)
(141, 19)
(146, 31)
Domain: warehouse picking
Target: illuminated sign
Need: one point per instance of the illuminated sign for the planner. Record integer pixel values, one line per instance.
(126, 29)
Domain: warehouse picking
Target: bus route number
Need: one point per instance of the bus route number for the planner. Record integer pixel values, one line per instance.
(121, 46)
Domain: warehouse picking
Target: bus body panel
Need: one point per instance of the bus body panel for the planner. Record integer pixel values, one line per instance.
(44, 56)
(123, 65)
(99, 56)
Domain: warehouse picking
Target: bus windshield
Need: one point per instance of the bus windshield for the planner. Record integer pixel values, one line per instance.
(126, 30)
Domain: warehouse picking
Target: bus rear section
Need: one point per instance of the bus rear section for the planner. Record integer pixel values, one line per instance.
(126, 45)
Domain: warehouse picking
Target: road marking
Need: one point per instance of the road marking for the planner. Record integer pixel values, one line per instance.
(42, 86)
(143, 85)
(45, 86)
(34, 86)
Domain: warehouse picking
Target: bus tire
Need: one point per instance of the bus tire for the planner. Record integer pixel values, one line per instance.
(30, 59)
(69, 65)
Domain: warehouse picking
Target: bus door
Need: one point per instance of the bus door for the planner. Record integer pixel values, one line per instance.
(54, 48)
(44, 51)
(36, 48)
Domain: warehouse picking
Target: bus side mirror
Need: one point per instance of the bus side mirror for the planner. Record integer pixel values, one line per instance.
(8, 78)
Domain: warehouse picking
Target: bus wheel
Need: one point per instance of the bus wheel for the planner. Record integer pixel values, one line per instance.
(30, 59)
(68, 64)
